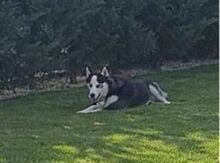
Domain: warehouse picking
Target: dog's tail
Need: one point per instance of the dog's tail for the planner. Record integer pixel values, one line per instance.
(157, 93)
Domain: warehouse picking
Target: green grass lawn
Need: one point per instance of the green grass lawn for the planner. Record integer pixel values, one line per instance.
(44, 127)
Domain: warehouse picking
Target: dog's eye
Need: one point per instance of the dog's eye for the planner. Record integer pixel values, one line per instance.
(90, 85)
(97, 86)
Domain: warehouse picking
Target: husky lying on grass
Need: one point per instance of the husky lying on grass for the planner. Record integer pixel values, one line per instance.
(109, 92)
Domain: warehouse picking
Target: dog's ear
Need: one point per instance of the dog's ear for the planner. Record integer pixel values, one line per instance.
(105, 72)
(88, 71)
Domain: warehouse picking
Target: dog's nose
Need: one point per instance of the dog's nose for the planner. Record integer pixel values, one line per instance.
(92, 95)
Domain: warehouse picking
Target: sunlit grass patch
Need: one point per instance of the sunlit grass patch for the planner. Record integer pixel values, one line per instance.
(66, 149)
(116, 138)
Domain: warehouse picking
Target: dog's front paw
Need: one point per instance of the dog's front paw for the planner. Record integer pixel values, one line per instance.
(81, 111)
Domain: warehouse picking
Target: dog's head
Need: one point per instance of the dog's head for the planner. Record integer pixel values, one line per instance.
(97, 84)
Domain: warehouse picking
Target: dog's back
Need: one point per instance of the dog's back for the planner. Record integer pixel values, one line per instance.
(131, 93)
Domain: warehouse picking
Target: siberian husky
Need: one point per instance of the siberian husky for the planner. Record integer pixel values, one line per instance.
(110, 92)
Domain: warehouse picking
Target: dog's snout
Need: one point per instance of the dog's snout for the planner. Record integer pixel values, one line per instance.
(92, 95)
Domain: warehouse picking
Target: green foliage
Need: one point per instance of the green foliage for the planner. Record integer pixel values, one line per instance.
(41, 35)
(180, 26)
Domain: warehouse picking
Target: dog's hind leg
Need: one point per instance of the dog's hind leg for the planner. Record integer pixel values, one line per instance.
(148, 102)
(158, 94)
(165, 101)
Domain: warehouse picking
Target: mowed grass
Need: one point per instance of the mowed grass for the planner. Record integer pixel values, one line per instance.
(44, 127)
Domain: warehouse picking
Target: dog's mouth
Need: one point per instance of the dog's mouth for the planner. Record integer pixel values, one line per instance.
(96, 99)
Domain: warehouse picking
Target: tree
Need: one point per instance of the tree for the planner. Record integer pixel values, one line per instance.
(43, 35)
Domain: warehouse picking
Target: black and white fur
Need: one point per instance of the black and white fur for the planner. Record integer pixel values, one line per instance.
(109, 92)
